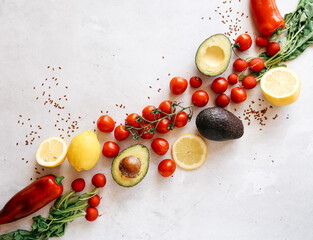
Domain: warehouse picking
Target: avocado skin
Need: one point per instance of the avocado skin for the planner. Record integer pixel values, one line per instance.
(218, 124)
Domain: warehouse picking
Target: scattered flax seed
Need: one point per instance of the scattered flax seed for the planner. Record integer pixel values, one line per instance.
(148, 97)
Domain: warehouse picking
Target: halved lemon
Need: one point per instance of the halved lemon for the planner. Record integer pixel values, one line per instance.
(189, 151)
(51, 152)
(281, 86)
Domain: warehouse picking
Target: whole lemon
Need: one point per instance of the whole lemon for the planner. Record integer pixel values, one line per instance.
(84, 151)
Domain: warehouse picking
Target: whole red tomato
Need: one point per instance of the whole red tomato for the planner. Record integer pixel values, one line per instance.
(273, 48)
(256, 65)
(178, 85)
(120, 133)
(180, 120)
(222, 100)
(105, 123)
(131, 120)
(166, 107)
(147, 113)
(238, 95)
(146, 135)
(160, 146)
(200, 98)
(78, 185)
(163, 126)
(232, 78)
(99, 180)
(110, 149)
(219, 85)
(243, 42)
(195, 82)
(261, 41)
(249, 82)
(240, 65)
(167, 167)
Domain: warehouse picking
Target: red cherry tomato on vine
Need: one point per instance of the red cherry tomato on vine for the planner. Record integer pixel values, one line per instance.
(273, 48)
(238, 95)
(243, 42)
(261, 41)
(163, 126)
(167, 167)
(222, 100)
(160, 146)
(131, 120)
(105, 123)
(120, 133)
(195, 82)
(232, 78)
(180, 120)
(91, 214)
(200, 98)
(147, 113)
(99, 180)
(110, 149)
(219, 85)
(178, 85)
(78, 185)
(166, 107)
(94, 201)
(256, 65)
(249, 82)
(240, 65)
(146, 135)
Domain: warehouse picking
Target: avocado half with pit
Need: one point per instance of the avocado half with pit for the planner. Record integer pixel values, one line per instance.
(213, 55)
(131, 165)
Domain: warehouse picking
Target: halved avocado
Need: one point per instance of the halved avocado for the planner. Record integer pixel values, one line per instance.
(213, 55)
(131, 165)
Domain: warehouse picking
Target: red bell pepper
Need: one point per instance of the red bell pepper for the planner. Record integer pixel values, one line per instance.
(31, 198)
(266, 16)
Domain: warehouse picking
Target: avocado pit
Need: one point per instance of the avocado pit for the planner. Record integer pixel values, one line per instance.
(130, 166)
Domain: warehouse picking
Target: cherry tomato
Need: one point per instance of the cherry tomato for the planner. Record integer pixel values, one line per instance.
(238, 95)
(167, 167)
(94, 201)
(256, 65)
(99, 180)
(195, 82)
(166, 107)
(261, 41)
(249, 82)
(232, 78)
(91, 214)
(178, 85)
(146, 135)
(160, 146)
(219, 85)
(240, 65)
(273, 48)
(105, 123)
(200, 98)
(147, 113)
(163, 126)
(243, 42)
(222, 100)
(180, 120)
(131, 120)
(78, 185)
(120, 133)
(110, 149)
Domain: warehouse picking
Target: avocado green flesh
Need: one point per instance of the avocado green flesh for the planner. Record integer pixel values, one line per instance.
(213, 55)
(139, 151)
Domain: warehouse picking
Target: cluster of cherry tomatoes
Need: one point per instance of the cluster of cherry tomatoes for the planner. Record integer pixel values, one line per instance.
(78, 185)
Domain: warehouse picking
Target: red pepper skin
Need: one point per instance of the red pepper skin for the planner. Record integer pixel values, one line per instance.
(31, 198)
(266, 16)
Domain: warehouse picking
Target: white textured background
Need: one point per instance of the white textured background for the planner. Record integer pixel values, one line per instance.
(258, 187)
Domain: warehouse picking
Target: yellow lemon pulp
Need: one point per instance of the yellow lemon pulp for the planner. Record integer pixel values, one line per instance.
(189, 151)
(84, 151)
(281, 86)
(51, 152)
